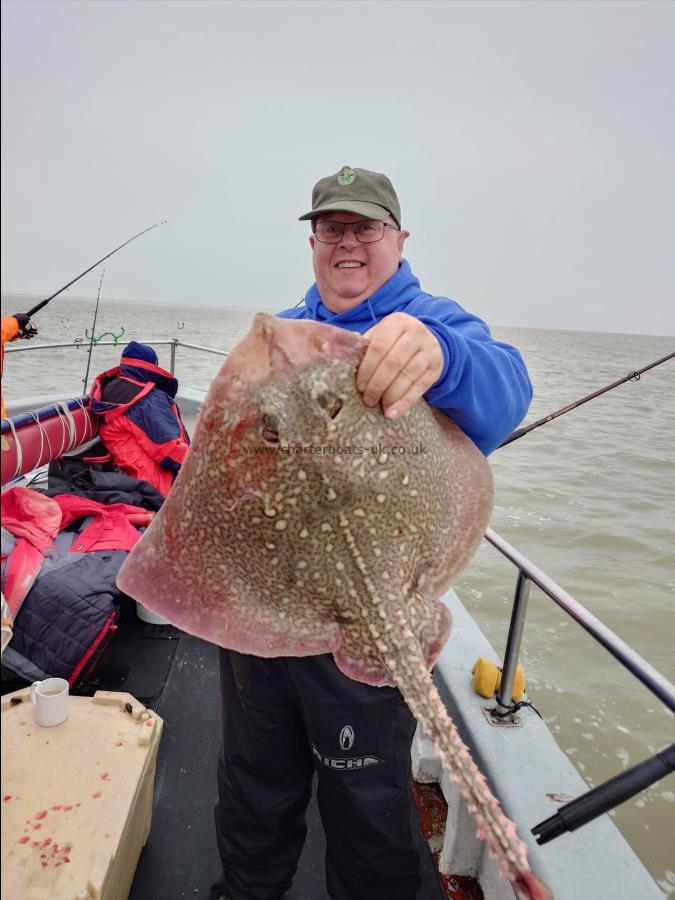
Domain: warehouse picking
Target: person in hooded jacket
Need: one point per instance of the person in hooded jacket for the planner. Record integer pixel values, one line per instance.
(288, 719)
(139, 421)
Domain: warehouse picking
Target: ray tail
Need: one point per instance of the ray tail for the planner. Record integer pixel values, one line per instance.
(408, 669)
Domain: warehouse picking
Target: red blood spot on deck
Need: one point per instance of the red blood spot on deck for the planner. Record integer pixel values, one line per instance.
(23, 840)
(67, 808)
(149, 722)
(6, 798)
(96, 795)
(56, 808)
(41, 815)
(56, 864)
(43, 856)
(66, 859)
(119, 744)
(37, 827)
(104, 776)
(35, 844)
(78, 804)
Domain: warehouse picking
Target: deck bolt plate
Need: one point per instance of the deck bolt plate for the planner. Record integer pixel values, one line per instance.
(513, 721)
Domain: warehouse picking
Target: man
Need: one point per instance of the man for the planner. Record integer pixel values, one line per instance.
(285, 718)
(14, 328)
(139, 421)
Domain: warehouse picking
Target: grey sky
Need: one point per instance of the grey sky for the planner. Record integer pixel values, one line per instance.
(531, 145)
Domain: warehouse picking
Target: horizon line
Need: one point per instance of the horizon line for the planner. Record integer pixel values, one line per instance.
(263, 308)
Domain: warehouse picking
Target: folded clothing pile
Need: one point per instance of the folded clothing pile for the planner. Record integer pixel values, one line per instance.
(60, 559)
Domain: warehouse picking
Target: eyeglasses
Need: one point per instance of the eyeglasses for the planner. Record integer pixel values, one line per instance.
(366, 231)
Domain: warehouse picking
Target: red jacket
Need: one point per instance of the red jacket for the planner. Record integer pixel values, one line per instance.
(35, 520)
(139, 421)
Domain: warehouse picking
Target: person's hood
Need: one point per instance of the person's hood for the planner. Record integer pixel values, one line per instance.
(147, 372)
(30, 515)
(143, 375)
(401, 289)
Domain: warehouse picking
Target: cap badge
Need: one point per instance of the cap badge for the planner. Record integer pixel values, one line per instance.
(346, 176)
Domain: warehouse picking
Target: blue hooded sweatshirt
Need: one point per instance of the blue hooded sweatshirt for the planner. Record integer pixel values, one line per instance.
(483, 387)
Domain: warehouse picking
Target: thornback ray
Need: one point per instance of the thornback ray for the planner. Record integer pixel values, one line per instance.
(304, 522)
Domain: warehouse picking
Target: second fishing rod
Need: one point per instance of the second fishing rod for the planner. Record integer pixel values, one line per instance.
(43, 303)
(631, 376)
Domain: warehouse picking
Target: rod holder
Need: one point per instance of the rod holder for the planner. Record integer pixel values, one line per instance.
(518, 613)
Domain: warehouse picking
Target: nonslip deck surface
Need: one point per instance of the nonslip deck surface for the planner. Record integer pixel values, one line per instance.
(177, 676)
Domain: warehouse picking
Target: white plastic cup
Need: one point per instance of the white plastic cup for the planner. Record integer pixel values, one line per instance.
(50, 699)
(147, 615)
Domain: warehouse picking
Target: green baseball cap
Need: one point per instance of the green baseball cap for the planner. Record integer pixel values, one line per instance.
(357, 191)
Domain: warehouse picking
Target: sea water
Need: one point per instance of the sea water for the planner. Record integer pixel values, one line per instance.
(589, 498)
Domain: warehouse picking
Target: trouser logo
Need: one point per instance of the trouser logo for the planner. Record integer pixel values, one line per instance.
(353, 762)
(347, 738)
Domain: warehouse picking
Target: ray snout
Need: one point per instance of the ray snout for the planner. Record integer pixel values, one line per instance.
(275, 346)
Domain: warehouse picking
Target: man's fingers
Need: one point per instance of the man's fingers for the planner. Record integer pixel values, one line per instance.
(412, 395)
(412, 372)
(390, 365)
(381, 341)
(403, 360)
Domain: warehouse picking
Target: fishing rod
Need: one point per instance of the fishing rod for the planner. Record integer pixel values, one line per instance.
(606, 796)
(93, 332)
(35, 309)
(632, 376)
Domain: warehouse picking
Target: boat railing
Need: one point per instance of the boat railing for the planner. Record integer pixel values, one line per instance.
(626, 784)
(528, 574)
(174, 343)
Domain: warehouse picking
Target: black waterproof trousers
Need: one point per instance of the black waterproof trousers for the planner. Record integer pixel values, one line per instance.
(284, 719)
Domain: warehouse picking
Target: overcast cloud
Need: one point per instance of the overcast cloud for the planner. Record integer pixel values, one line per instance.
(531, 145)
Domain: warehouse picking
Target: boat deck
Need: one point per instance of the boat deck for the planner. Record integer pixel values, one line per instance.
(176, 675)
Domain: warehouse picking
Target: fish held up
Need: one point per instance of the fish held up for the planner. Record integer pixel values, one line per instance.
(304, 522)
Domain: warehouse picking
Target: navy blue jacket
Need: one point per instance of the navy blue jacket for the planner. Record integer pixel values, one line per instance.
(139, 421)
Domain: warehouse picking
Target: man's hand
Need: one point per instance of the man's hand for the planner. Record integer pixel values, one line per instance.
(402, 362)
